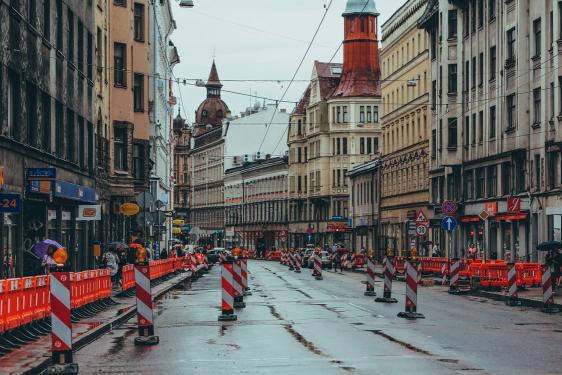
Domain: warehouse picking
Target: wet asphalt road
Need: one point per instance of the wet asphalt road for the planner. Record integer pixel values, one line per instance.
(294, 324)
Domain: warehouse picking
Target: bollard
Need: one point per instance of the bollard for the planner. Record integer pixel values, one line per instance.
(455, 266)
(244, 264)
(420, 269)
(353, 263)
(318, 266)
(193, 261)
(444, 274)
(513, 296)
(297, 259)
(238, 290)
(145, 316)
(370, 278)
(388, 276)
(61, 325)
(411, 308)
(227, 284)
(547, 293)
(291, 257)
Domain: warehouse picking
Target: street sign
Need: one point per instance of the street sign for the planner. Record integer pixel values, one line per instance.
(144, 200)
(514, 205)
(491, 208)
(484, 215)
(421, 218)
(421, 230)
(449, 223)
(411, 228)
(449, 207)
(41, 173)
(10, 203)
(129, 209)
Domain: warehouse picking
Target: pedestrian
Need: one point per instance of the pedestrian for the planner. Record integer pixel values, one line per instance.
(557, 262)
(472, 251)
(48, 262)
(334, 248)
(338, 261)
(163, 254)
(435, 251)
(111, 261)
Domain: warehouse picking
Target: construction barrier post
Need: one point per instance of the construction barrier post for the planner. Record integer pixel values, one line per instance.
(513, 296)
(455, 267)
(227, 283)
(370, 291)
(238, 290)
(548, 295)
(411, 292)
(61, 325)
(291, 261)
(444, 273)
(245, 288)
(318, 266)
(145, 316)
(388, 276)
(297, 259)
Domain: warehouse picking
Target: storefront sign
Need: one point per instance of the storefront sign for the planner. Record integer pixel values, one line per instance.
(41, 173)
(470, 219)
(337, 227)
(504, 217)
(10, 203)
(178, 222)
(89, 213)
(1, 175)
(40, 187)
(514, 205)
(129, 209)
(491, 208)
(72, 191)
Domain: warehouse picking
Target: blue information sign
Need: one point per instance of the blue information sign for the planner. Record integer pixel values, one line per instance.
(10, 203)
(41, 173)
(449, 223)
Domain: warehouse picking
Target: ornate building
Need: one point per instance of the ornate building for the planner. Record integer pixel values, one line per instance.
(404, 165)
(207, 163)
(333, 128)
(182, 168)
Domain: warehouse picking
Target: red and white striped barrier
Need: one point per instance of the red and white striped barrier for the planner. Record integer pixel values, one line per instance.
(389, 271)
(345, 261)
(227, 300)
(455, 267)
(419, 273)
(61, 324)
(244, 266)
(444, 274)
(547, 292)
(291, 258)
(318, 266)
(145, 315)
(513, 296)
(222, 258)
(370, 290)
(297, 259)
(238, 289)
(193, 262)
(411, 308)
(352, 261)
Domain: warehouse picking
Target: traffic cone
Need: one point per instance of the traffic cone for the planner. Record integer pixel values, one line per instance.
(145, 316)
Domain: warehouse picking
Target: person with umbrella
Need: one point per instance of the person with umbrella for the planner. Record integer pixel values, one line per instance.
(48, 263)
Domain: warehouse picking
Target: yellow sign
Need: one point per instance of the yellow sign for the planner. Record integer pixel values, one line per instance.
(1, 175)
(176, 230)
(129, 209)
(97, 250)
(178, 222)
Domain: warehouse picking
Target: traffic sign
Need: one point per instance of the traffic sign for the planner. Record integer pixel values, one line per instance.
(421, 230)
(449, 223)
(411, 227)
(514, 205)
(421, 218)
(484, 215)
(449, 207)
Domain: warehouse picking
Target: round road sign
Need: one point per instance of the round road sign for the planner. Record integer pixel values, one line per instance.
(449, 208)
(421, 230)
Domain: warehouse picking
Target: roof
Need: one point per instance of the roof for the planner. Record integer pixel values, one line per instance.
(214, 76)
(300, 109)
(328, 77)
(365, 167)
(430, 14)
(355, 7)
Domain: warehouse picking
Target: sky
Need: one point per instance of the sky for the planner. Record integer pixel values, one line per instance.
(256, 40)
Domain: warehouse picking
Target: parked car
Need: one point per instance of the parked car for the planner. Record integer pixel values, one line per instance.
(214, 254)
(326, 262)
(305, 256)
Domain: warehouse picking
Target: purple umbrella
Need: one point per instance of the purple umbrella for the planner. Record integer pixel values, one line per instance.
(40, 248)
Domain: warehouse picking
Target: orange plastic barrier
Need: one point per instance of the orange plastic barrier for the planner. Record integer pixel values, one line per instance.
(27, 286)
(127, 277)
(42, 306)
(399, 264)
(13, 303)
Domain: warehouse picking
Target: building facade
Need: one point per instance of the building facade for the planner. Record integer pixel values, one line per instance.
(405, 126)
(182, 169)
(207, 162)
(364, 203)
(334, 127)
(46, 130)
(496, 139)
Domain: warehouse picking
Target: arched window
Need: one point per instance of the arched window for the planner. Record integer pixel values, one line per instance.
(204, 113)
(219, 113)
(362, 24)
(352, 28)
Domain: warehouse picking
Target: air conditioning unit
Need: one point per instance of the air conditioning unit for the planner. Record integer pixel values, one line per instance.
(247, 158)
(259, 156)
(237, 160)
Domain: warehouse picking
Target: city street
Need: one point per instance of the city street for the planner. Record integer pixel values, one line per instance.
(294, 324)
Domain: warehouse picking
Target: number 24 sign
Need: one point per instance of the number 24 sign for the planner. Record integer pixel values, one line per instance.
(10, 203)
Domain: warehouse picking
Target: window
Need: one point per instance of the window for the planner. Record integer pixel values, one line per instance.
(474, 72)
(59, 129)
(452, 132)
(59, 25)
(120, 148)
(369, 114)
(433, 94)
(70, 38)
(511, 45)
(375, 113)
(81, 143)
(552, 158)
(481, 69)
(338, 109)
(361, 114)
(13, 105)
(433, 143)
(345, 114)
(121, 3)
(466, 131)
(369, 146)
(452, 78)
(492, 9)
(452, 23)
(537, 106)
(90, 57)
(492, 123)
(70, 136)
(47, 19)
(493, 63)
(492, 181)
(31, 91)
(338, 148)
(120, 64)
(537, 36)
(510, 111)
(538, 176)
(32, 12)
(481, 127)
(139, 22)
(467, 74)
(138, 92)
(362, 24)
(344, 146)
(506, 178)
(552, 100)
(473, 129)
(361, 145)
(138, 162)
(469, 184)
(80, 52)
(473, 19)
(46, 121)
(480, 13)
(480, 182)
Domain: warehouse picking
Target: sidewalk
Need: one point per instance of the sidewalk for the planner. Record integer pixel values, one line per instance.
(34, 358)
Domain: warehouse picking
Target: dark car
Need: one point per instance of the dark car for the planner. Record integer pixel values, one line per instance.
(214, 255)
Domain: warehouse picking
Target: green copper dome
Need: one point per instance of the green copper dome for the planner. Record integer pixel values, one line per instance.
(356, 7)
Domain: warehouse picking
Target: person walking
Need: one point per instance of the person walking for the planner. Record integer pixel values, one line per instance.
(338, 261)
(48, 262)
(111, 261)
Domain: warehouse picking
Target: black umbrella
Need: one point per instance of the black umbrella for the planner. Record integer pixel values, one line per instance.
(549, 246)
(117, 246)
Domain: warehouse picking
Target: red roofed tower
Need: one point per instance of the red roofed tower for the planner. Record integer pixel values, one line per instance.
(361, 69)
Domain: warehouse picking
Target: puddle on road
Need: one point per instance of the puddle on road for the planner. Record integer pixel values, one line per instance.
(399, 342)
(118, 343)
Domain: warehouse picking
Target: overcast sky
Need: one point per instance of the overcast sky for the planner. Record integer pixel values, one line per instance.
(257, 40)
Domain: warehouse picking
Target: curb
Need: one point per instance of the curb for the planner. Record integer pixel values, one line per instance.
(498, 297)
(92, 335)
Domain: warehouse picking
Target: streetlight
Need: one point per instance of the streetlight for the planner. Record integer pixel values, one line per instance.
(186, 3)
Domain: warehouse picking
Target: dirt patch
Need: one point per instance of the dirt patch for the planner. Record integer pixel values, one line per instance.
(274, 312)
(399, 342)
(304, 342)
(118, 343)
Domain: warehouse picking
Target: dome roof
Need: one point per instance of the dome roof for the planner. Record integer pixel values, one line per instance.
(356, 7)
(179, 122)
(211, 111)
